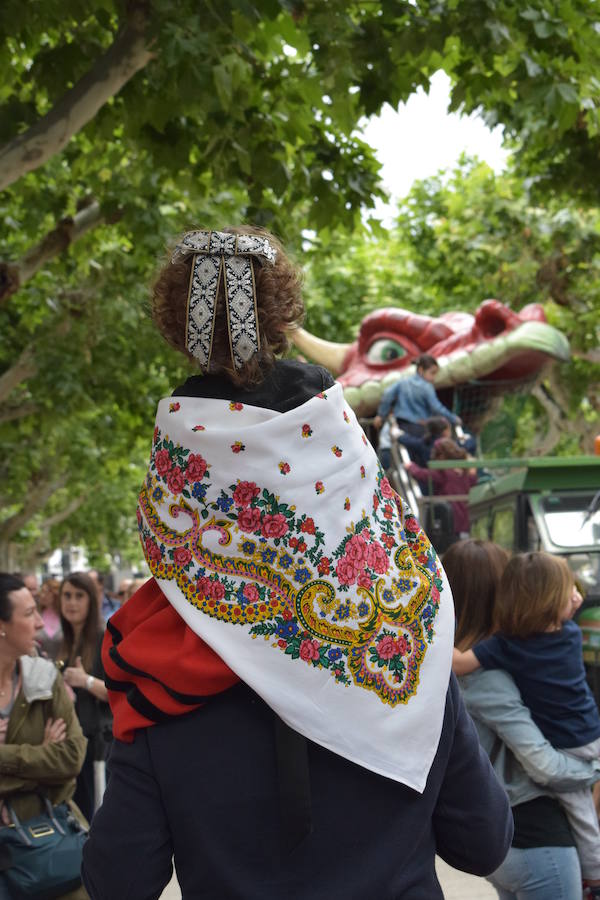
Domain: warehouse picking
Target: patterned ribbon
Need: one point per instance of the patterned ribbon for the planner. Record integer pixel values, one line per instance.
(220, 255)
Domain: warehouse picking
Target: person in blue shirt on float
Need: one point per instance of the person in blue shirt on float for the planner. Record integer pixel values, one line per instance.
(413, 399)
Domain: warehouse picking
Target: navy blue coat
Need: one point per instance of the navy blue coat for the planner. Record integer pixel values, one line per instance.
(204, 788)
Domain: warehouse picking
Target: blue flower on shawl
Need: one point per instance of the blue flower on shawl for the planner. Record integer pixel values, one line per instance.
(224, 503)
(199, 491)
(302, 575)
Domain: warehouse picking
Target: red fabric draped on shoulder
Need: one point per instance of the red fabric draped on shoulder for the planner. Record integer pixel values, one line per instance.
(155, 666)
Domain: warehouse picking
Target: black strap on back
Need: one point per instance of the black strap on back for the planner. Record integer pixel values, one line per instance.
(294, 785)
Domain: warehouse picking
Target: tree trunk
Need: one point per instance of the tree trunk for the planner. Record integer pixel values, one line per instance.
(70, 229)
(30, 150)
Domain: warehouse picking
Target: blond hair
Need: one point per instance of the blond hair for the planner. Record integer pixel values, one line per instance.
(533, 594)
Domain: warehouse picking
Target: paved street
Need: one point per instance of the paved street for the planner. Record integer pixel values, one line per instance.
(456, 886)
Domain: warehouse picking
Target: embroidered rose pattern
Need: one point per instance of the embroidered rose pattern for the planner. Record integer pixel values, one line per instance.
(235, 407)
(306, 431)
(277, 580)
(198, 428)
(174, 407)
(237, 447)
(284, 467)
(337, 451)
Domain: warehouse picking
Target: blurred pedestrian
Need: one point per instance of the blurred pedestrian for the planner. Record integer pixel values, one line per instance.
(83, 671)
(49, 637)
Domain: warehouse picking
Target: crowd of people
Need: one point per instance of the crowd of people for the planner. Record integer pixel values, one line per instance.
(284, 717)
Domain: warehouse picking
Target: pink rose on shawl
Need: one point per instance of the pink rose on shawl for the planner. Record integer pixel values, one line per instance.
(402, 645)
(204, 585)
(346, 570)
(386, 489)
(245, 492)
(386, 647)
(375, 501)
(196, 467)
(152, 550)
(248, 519)
(389, 541)
(365, 580)
(388, 511)
(411, 525)
(377, 558)
(356, 549)
(308, 526)
(251, 593)
(181, 556)
(274, 526)
(217, 590)
(175, 480)
(309, 650)
(162, 461)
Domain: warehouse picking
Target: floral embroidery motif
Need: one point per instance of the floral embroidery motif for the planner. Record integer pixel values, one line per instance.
(174, 407)
(347, 503)
(319, 487)
(235, 407)
(337, 451)
(364, 439)
(363, 474)
(284, 467)
(306, 431)
(237, 447)
(322, 395)
(346, 418)
(198, 428)
(365, 613)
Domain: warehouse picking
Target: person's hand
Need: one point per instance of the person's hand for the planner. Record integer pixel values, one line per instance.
(75, 676)
(377, 422)
(55, 731)
(575, 602)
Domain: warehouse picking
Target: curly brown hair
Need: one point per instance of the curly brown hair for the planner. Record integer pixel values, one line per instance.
(278, 299)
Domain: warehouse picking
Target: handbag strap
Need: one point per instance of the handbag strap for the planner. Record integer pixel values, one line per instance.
(49, 810)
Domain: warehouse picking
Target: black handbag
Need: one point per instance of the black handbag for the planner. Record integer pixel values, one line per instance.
(45, 852)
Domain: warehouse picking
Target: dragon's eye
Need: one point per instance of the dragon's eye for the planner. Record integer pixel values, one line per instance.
(385, 350)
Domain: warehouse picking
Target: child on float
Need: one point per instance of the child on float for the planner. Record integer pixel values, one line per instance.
(537, 643)
(448, 481)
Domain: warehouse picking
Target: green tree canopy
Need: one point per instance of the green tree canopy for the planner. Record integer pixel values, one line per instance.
(123, 123)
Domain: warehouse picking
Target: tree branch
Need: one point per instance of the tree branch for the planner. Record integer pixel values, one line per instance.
(126, 56)
(40, 548)
(18, 412)
(24, 368)
(70, 229)
(38, 494)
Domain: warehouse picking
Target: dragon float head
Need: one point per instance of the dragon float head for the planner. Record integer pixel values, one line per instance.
(496, 350)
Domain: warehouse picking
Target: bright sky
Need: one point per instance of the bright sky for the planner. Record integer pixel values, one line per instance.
(422, 138)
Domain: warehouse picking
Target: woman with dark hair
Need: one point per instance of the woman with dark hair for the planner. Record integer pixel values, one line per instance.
(41, 744)
(80, 657)
(542, 862)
